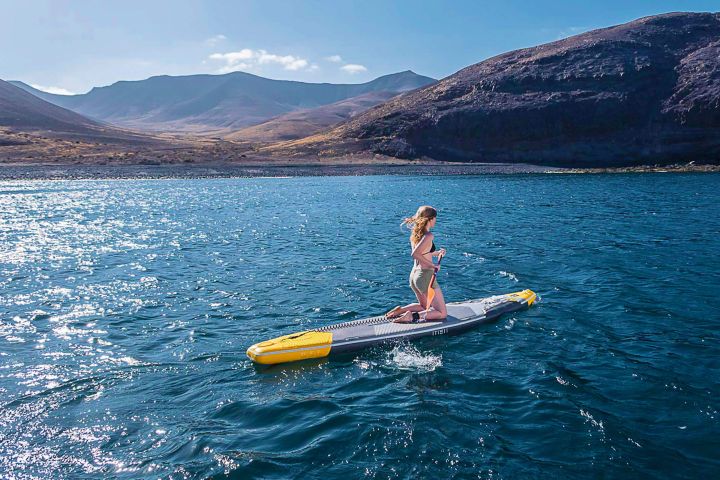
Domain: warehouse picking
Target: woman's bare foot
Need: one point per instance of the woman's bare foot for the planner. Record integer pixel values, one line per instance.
(404, 318)
(395, 312)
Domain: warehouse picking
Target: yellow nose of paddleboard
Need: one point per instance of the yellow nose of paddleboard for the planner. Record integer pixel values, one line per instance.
(290, 348)
(525, 295)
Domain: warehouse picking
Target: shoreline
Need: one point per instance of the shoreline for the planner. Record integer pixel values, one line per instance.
(14, 172)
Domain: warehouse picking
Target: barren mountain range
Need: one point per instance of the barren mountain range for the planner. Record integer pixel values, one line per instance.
(645, 92)
(218, 104)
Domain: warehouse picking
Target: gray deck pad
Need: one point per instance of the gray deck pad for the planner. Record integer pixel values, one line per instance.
(378, 327)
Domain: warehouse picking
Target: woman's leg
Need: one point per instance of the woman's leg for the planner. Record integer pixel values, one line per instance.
(437, 313)
(415, 307)
(411, 307)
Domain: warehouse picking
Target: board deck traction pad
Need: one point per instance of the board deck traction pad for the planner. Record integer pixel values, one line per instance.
(365, 332)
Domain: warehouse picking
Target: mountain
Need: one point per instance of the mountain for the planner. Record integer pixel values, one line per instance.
(48, 97)
(199, 103)
(21, 111)
(643, 92)
(301, 123)
(35, 131)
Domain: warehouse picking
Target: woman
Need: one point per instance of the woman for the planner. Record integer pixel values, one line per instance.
(423, 249)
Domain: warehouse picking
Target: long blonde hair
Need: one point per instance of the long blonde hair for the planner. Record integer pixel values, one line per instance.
(418, 223)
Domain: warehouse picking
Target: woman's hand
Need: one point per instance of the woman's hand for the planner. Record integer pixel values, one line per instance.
(440, 253)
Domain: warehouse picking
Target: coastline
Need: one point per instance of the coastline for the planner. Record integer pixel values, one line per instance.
(9, 172)
(13, 172)
(690, 167)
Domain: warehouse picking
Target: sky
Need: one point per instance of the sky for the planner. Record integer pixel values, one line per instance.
(70, 46)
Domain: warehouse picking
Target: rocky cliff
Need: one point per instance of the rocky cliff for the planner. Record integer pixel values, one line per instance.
(643, 92)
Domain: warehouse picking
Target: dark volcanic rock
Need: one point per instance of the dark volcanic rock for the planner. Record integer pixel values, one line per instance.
(644, 92)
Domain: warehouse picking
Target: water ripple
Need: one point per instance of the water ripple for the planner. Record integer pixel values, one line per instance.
(126, 308)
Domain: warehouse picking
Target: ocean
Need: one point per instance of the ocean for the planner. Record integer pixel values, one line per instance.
(126, 307)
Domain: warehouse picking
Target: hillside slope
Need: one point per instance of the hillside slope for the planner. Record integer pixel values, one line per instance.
(301, 123)
(22, 112)
(643, 92)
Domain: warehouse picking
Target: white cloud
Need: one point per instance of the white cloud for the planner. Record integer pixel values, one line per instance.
(287, 61)
(214, 40)
(334, 58)
(353, 68)
(55, 90)
(234, 57)
(247, 59)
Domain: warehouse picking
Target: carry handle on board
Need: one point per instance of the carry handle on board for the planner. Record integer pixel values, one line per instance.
(431, 290)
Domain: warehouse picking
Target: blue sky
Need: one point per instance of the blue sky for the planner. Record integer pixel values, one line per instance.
(71, 46)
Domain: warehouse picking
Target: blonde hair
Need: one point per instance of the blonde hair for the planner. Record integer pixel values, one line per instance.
(418, 222)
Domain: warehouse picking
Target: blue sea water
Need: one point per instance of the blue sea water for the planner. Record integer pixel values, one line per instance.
(126, 308)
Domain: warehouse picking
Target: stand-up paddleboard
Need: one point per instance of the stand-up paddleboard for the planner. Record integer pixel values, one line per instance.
(349, 336)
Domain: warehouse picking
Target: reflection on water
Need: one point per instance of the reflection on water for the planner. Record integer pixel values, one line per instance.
(126, 308)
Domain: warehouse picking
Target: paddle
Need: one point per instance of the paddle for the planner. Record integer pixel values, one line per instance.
(431, 290)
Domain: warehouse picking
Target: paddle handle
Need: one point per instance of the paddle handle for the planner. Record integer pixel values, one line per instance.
(437, 267)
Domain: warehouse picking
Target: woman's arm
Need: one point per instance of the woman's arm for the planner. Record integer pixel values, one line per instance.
(422, 246)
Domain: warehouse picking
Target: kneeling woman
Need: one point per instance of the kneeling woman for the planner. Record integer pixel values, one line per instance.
(423, 250)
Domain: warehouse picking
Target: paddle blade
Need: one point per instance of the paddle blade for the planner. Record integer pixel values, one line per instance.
(431, 290)
(430, 297)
